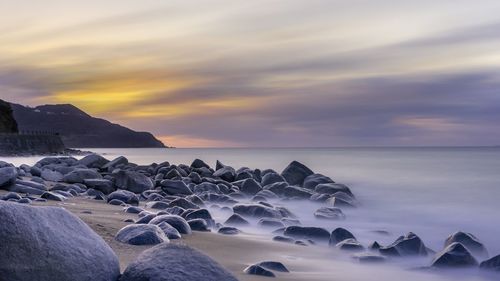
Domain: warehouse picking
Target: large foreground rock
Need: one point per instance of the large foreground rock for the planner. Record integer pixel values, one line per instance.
(51, 244)
(169, 262)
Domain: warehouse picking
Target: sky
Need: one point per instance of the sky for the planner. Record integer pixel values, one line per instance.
(264, 73)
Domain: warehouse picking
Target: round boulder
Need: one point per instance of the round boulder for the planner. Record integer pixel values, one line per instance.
(169, 262)
(49, 243)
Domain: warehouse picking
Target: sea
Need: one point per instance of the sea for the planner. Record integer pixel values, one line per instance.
(430, 191)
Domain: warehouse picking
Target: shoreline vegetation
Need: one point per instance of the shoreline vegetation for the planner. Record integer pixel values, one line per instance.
(128, 222)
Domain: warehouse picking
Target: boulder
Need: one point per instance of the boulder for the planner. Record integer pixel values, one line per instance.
(332, 188)
(52, 196)
(228, 230)
(350, 244)
(177, 222)
(50, 175)
(329, 213)
(141, 234)
(274, 223)
(198, 164)
(454, 255)
(206, 187)
(469, 241)
(103, 185)
(125, 196)
(283, 239)
(256, 211)
(250, 187)
(311, 181)
(295, 173)
(183, 203)
(29, 234)
(170, 262)
(271, 178)
(198, 214)
(115, 163)
(8, 176)
(297, 192)
(340, 234)
(236, 219)
(303, 232)
(226, 173)
(198, 225)
(93, 161)
(258, 270)
(408, 245)
(20, 188)
(175, 187)
(169, 231)
(132, 181)
(274, 265)
(80, 175)
(491, 264)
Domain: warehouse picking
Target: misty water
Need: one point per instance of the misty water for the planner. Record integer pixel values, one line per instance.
(432, 192)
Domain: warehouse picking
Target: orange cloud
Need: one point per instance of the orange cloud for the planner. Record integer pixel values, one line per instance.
(184, 141)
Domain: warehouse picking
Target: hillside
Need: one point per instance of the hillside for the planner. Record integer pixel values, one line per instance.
(80, 130)
(7, 122)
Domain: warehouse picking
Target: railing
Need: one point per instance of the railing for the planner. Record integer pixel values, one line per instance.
(32, 133)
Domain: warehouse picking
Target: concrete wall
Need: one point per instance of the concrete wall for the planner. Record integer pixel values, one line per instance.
(30, 144)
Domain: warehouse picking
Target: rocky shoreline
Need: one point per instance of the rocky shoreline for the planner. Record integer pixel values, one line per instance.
(169, 203)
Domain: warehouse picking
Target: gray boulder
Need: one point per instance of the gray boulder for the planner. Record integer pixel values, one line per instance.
(141, 234)
(408, 245)
(80, 175)
(271, 178)
(115, 162)
(340, 234)
(197, 163)
(93, 161)
(169, 231)
(455, 255)
(250, 187)
(125, 196)
(103, 185)
(49, 243)
(50, 175)
(258, 270)
(256, 211)
(132, 181)
(177, 222)
(274, 265)
(491, 264)
(175, 187)
(226, 173)
(303, 232)
(8, 176)
(329, 213)
(236, 219)
(295, 173)
(169, 262)
(469, 241)
(311, 181)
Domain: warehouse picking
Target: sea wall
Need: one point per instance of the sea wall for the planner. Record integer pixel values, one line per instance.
(20, 144)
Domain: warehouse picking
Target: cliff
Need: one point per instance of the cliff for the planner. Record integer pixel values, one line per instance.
(80, 130)
(7, 122)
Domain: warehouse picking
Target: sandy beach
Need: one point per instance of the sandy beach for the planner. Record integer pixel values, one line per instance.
(233, 252)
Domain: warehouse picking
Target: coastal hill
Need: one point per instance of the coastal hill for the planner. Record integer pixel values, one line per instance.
(78, 129)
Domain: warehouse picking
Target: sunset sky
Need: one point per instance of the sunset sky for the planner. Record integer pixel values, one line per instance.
(263, 73)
